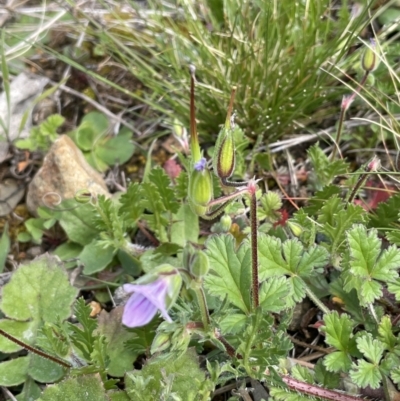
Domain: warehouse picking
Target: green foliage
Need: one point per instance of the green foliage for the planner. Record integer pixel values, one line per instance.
(41, 137)
(100, 148)
(325, 170)
(4, 248)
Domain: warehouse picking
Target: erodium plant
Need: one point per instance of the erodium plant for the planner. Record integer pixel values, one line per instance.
(229, 298)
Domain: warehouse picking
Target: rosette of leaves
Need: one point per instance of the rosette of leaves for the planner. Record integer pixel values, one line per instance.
(100, 147)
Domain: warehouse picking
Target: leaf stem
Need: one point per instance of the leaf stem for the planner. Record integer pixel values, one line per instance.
(315, 299)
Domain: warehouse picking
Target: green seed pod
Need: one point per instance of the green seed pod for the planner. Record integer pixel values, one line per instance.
(200, 265)
(200, 189)
(370, 60)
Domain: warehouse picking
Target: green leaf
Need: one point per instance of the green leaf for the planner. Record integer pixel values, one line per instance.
(96, 257)
(185, 227)
(163, 184)
(77, 221)
(117, 149)
(395, 375)
(21, 330)
(46, 296)
(368, 263)
(386, 213)
(131, 209)
(325, 377)
(43, 370)
(372, 349)
(229, 271)
(85, 387)
(336, 218)
(13, 372)
(233, 323)
(337, 361)
(273, 294)
(315, 203)
(303, 374)
(324, 168)
(181, 375)
(4, 248)
(338, 331)
(121, 358)
(294, 261)
(365, 374)
(142, 338)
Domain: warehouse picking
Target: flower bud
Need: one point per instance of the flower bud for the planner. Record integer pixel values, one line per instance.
(370, 60)
(187, 255)
(160, 343)
(200, 264)
(295, 228)
(200, 188)
(224, 154)
(226, 223)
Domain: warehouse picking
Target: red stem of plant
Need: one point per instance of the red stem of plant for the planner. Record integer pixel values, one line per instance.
(35, 350)
(316, 391)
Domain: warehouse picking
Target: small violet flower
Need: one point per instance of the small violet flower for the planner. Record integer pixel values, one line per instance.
(145, 301)
(201, 164)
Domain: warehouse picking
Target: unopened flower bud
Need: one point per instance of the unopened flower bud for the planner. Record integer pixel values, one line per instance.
(224, 154)
(295, 228)
(200, 189)
(226, 223)
(187, 255)
(370, 59)
(160, 343)
(83, 196)
(200, 264)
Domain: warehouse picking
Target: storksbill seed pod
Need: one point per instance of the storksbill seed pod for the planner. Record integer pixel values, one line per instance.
(200, 188)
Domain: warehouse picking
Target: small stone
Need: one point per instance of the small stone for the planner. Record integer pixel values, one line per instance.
(64, 172)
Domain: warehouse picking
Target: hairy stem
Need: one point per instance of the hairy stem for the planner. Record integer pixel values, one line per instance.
(35, 350)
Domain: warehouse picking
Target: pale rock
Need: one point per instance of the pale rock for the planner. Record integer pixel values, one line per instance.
(65, 171)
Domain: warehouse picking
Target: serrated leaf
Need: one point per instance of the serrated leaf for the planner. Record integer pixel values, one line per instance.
(230, 274)
(324, 377)
(303, 374)
(273, 293)
(324, 168)
(163, 184)
(336, 218)
(233, 323)
(121, 358)
(395, 375)
(131, 209)
(337, 361)
(386, 213)
(365, 374)
(372, 349)
(294, 261)
(85, 387)
(315, 203)
(142, 337)
(45, 285)
(338, 330)
(368, 263)
(394, 288)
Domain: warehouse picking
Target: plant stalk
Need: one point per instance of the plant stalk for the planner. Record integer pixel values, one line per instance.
(254, 249)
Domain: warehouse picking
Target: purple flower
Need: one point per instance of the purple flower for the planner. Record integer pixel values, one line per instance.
(145, 301)
(201, 164)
